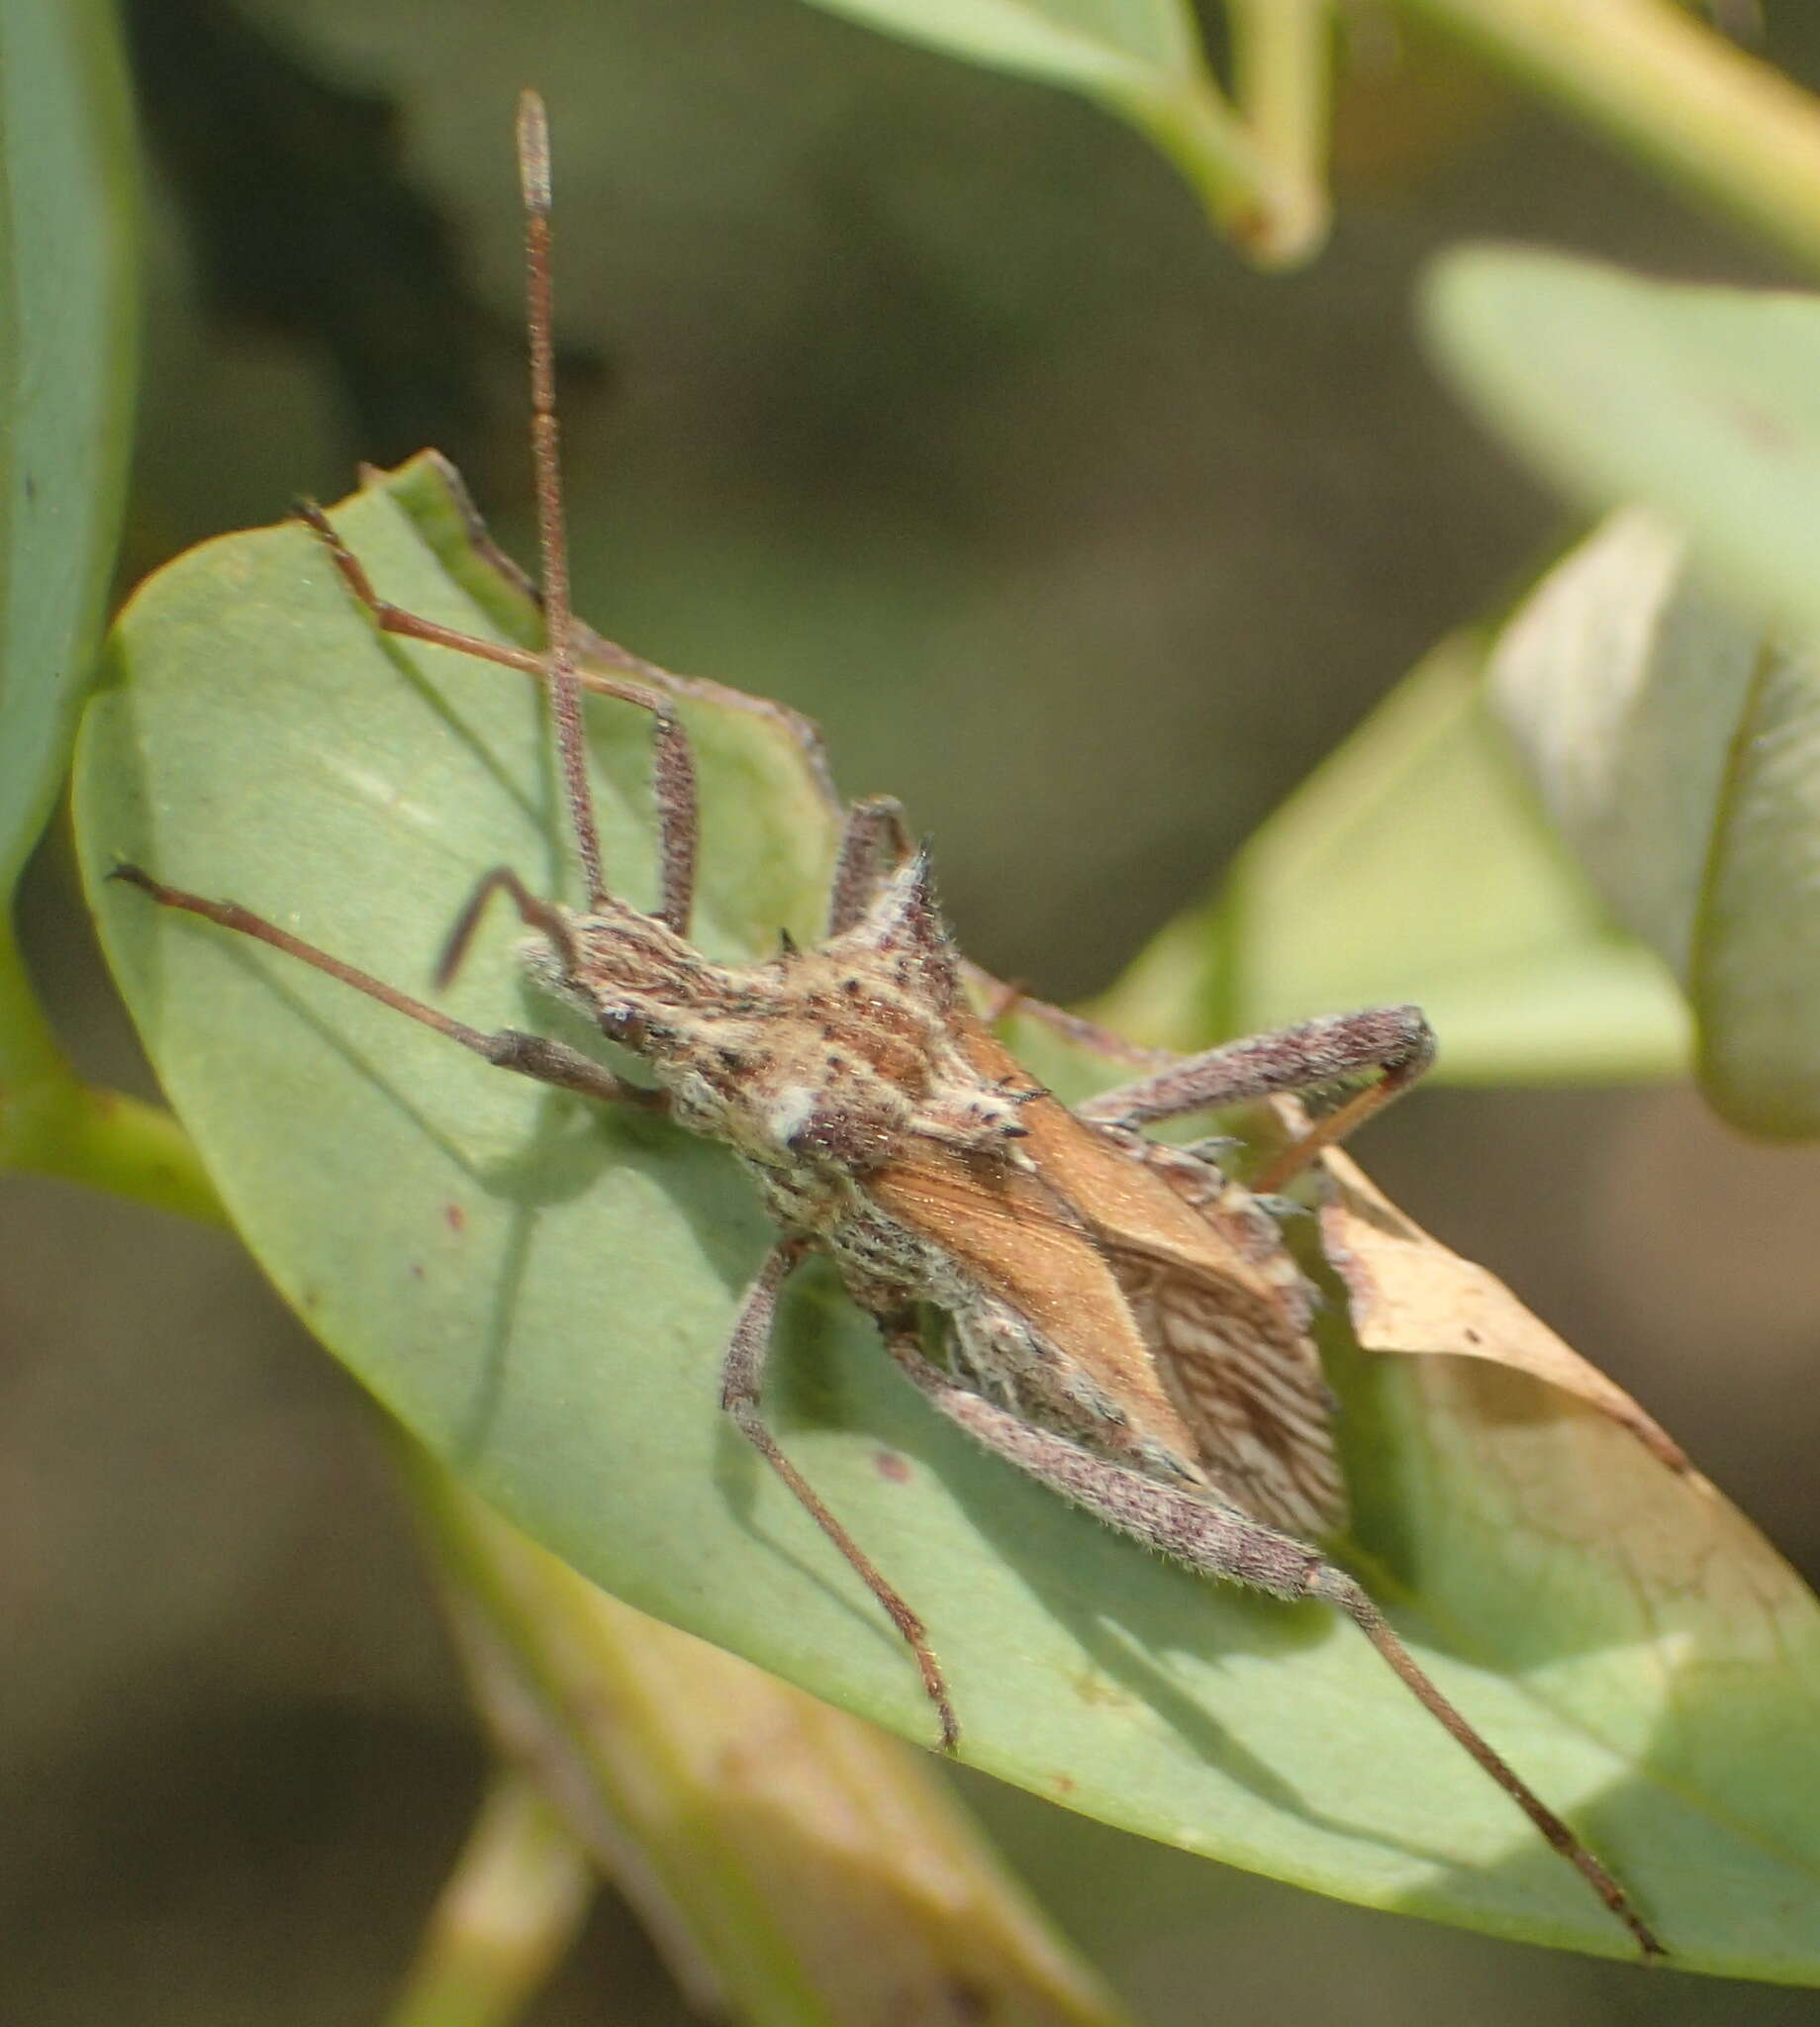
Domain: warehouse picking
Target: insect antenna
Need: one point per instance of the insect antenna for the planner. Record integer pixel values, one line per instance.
(532, 1055)
(560, 682)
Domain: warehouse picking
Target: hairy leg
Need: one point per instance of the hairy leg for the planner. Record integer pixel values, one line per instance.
(874, 843)
(741, 1381)
(1395, 1042)
(1209, 1534)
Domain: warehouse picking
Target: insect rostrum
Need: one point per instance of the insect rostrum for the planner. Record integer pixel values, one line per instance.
(1120, 1319)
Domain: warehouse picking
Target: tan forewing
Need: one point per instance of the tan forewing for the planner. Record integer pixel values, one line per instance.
(1131, 1204)
(1225, 1315)
(1254, 1396)
(1004, 1226)
(1135, 1269)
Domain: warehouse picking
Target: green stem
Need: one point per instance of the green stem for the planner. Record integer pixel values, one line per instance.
(53, 1124)
(793, 1864)
(1699, 109)
(1282, 81)
(1268, 208)
(506, 1916)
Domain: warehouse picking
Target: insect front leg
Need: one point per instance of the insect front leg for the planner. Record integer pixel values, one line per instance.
(874, 843)
(672, 760)
(741, 1377)
(510, 1048)
(1396, 1041)
(1209, 1534)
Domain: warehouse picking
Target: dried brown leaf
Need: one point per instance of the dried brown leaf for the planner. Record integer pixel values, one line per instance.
(1409, 1294)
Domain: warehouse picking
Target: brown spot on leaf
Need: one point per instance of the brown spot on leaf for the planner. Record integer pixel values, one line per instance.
(969, 2001)
(892, 1467)
(1764, 432)
(456, 1218)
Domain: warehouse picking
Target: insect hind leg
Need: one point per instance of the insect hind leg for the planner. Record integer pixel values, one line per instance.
(1211, 1535)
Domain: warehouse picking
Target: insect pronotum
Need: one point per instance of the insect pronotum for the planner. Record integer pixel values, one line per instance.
(1122, 1321)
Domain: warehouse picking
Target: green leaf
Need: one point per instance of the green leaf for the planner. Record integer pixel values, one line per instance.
(1104, 46)
(541, 1289)
(1141, 60)
(1678, 742)
(1414, 865)
(1703, 403)
(66, 292)
(1671, 88)
(1677, 747)
(66, 318)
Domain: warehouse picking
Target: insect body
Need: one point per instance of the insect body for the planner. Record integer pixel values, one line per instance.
(1123, 1292)
(1122, 1321)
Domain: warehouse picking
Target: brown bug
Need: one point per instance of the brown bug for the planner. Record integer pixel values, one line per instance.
(1120, 1319)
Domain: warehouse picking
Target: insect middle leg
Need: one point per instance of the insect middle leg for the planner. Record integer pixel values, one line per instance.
(1396, 1041)
(741, 1377)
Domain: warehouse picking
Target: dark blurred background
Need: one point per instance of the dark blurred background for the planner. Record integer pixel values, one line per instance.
(922, 399)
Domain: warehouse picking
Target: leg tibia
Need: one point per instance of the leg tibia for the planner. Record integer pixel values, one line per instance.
(1211, 1535)
(741, 1379)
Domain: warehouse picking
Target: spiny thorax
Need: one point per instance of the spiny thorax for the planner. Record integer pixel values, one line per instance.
(817, 1063)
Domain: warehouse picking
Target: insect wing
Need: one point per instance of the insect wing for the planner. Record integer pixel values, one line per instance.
(1218, 1302)
(1005, 1229)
